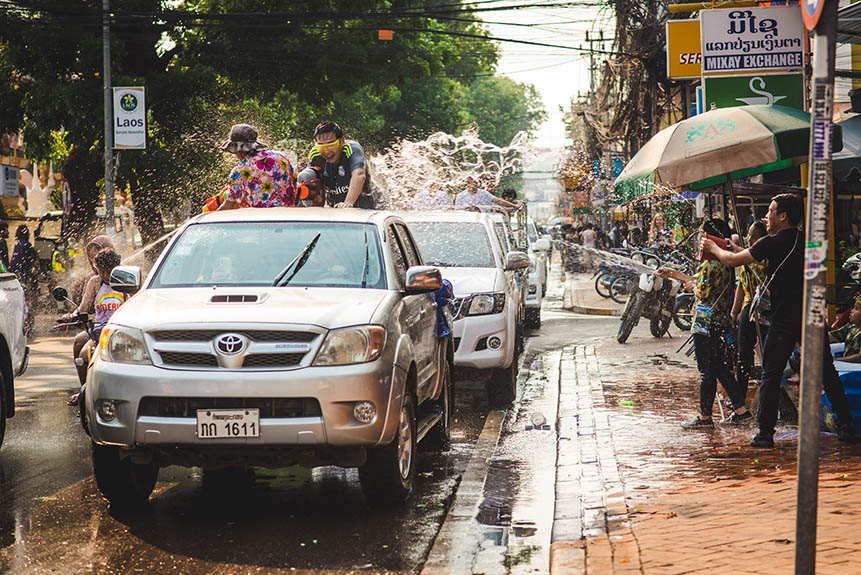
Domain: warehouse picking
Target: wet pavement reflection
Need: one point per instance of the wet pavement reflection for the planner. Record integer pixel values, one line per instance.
(650, 394)
(53, 519)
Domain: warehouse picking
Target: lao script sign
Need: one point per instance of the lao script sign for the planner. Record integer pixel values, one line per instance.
(752, 39)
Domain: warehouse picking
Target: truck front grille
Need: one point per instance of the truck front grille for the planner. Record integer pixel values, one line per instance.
(269, 407)
(254, 335)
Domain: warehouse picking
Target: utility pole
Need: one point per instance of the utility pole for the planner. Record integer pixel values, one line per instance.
(109, 128)
(813, 351)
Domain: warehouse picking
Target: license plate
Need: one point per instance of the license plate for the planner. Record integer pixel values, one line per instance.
(228, 423)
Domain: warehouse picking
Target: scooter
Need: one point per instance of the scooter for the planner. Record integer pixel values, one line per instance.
(653, 298)
(81, 321)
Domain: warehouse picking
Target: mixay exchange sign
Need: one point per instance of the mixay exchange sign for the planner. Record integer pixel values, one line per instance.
(752, 39)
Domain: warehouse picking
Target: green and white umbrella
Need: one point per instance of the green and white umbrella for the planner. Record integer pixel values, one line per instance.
(737, 142)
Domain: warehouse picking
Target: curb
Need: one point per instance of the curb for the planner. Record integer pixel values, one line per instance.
(592, 310)
(568, 305)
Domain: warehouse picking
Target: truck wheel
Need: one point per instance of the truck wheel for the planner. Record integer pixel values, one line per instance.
(503, 385)
(533, 318)
(123, 483)
(387, 476)
(440, 436)
(2, 407)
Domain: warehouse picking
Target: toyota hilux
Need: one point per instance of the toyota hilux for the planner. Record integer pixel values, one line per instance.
(272, 337)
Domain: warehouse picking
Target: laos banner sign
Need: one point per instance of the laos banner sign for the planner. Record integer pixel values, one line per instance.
(129, 118)
(748, 40)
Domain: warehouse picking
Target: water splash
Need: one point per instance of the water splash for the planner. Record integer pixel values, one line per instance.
(442, 162)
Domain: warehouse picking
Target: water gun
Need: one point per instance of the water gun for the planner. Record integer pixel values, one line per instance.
(309, 188)
(213, 203)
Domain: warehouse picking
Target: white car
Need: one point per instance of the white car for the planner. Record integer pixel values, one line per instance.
(540, 247)
(272, 337)
(485, 276)
(13, 344)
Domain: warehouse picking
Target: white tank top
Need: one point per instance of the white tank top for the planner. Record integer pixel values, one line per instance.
(107, 302)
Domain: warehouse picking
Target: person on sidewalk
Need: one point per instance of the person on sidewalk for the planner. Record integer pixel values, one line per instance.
(713, 287)
(783, 253)
(749, 279)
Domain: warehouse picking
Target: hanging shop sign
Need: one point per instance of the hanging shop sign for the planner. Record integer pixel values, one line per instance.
(749, 40)
(765, 89)
(9, 187)
(684, 51)
(129, 118)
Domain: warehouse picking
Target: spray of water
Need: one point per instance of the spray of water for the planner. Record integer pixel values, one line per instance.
(441, 163)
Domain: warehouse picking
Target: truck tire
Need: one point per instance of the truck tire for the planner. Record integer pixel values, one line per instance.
(502, 387)
(124, 484)
(387, 475)
(533, 318)
(2, 407)
(632, 317)
(440, 436)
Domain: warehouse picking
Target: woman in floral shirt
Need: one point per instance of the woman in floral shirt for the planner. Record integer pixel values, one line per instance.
(713, 288)
(263, 178)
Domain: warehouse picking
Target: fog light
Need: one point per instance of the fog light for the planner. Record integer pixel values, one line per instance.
(533, 289)
(107, 409)
(494, 343)
(365, 412)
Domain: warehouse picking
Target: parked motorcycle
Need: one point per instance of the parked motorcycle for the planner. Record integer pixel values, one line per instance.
(848, 292)
(683, 311)
(652, 298)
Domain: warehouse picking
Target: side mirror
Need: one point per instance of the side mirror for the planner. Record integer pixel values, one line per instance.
(59, 293)
(541, 245)
(423, 279)
(516, 261)
(126, 279)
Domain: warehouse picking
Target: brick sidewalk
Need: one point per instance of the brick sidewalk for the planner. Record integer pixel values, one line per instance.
(636, 494)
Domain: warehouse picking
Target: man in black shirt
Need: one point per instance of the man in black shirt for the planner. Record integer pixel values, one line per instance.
(783, 253)
(342, 163)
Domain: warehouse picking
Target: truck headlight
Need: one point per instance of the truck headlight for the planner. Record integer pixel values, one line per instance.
(351, 345)
(123, 345)
(486, 303)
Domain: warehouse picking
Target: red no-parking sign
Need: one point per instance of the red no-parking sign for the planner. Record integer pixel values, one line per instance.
(810, 12)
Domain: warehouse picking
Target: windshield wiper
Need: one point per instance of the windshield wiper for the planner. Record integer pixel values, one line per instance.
(299, 261)
(365, 264)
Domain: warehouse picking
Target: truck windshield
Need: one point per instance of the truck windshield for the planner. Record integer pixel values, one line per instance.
(253, 253)
(453, 244)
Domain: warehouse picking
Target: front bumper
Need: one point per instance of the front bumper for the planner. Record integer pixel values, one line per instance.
(336, 389)
(474, 338)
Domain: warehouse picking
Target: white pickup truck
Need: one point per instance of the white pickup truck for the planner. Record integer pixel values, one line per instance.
(13, 344)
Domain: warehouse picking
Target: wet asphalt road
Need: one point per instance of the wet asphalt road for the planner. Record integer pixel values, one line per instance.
(53, 519)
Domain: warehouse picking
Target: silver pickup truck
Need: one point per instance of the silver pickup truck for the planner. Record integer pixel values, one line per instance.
(13, 344)
(273, 337)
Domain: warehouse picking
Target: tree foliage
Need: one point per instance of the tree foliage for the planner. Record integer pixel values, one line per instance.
(502, 107)
(206, 64)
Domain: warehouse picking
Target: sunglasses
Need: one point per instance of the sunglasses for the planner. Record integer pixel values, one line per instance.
(330, 147)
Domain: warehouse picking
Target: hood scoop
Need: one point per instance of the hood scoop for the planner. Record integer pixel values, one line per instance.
(235, 298)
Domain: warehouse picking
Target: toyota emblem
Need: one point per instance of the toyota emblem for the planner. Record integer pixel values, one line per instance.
(230, 344)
